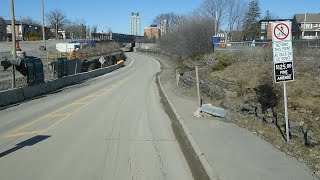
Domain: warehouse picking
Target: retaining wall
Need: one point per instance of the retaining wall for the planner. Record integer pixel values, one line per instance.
(13, 96)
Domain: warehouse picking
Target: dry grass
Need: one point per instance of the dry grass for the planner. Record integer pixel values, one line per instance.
(251, 70)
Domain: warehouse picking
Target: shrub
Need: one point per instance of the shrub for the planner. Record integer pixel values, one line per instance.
(181, 65)
(224, 60)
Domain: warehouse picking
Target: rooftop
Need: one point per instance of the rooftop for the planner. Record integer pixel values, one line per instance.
(309, 18)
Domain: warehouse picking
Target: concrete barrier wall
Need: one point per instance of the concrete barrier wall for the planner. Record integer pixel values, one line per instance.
(13, 96)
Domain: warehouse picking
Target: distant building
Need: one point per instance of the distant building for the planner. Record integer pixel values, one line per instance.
(3, 29)
(222, 36)
(135, 24)
(164, 27)
(266, 28)
(25, 31)
(309, 25)
(152, 32)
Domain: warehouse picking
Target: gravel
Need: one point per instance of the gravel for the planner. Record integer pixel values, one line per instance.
(32, 49)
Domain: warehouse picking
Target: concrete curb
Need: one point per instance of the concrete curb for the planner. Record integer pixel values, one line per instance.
(197, 161)
(13, 96)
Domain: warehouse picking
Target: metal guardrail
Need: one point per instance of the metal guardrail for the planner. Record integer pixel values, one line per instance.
(248, 45)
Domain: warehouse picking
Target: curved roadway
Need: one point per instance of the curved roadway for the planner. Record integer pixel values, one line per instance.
(111, 127)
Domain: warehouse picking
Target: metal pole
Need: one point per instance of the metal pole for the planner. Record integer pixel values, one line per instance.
(286, 110)
(198, 87)
(75, 69)
(21, 28)
(56, 30)
(14, 53)
(216, 24)
(53, 69)
(43, 28)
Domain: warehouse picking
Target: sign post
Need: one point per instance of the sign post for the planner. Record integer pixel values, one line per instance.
(283, 60)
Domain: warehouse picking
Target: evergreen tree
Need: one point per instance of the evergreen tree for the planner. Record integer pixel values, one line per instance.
(268, 15)
(251, 21)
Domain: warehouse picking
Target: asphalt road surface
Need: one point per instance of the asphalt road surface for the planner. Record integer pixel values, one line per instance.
(111, 127)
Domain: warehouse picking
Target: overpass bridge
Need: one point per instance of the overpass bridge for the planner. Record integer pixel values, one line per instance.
(116, 37)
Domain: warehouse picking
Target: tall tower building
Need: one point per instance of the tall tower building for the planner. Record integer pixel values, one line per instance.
(135, 24)
(164, 27)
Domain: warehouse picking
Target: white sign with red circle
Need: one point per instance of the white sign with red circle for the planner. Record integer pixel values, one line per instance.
(281, 31)
(282, 51)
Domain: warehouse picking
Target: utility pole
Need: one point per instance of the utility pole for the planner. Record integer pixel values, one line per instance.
(43, 28)
(14, 53)
(198, 87)
(304, 24)
(56, 29)
(21, 25)
(216, 24)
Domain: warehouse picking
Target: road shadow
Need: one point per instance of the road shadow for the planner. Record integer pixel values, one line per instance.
(29, 142)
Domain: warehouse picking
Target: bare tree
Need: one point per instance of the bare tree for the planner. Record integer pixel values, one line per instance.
(94, 29)
(77, 29)
(30, 21)
(215, 10)
(171, 18)
(190, 38)
(88, 32)
(235, 10)
(56, 19)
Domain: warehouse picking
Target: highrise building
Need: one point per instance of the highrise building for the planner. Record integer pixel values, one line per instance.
(135, 24)
(152, 32)
(164, 27)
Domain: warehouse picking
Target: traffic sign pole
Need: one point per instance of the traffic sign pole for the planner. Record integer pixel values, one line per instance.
(283, 61)
(286, 110)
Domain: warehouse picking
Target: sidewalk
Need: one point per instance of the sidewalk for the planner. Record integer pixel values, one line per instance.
(233, 152)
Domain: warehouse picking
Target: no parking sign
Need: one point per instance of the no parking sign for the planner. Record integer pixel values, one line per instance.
(282, 51)
(283, 60)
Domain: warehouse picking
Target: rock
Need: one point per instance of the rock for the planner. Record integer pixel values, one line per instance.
(312, 141)
(317, 166)
(301, 110)
(317, 173)
(270, 120)
(42, 48)
(259, 112)
(314, 94)
(295, 130)
(269, 112)
(215, 91)
(224, 104)
(231, 94)
(247, 108)
(231, 79)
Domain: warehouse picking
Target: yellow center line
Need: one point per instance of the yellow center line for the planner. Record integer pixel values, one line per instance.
(78, 104)
(58, 115)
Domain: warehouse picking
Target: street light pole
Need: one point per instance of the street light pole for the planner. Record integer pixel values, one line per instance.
(14, 53)
(43, 28)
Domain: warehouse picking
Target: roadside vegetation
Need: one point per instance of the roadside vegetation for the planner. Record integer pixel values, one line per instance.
(241, 80)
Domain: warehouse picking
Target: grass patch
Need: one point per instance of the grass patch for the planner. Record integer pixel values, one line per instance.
(224, 60)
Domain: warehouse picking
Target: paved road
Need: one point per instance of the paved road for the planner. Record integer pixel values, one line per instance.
(111, 127)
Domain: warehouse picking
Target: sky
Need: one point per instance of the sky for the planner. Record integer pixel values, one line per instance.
(115, 14)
